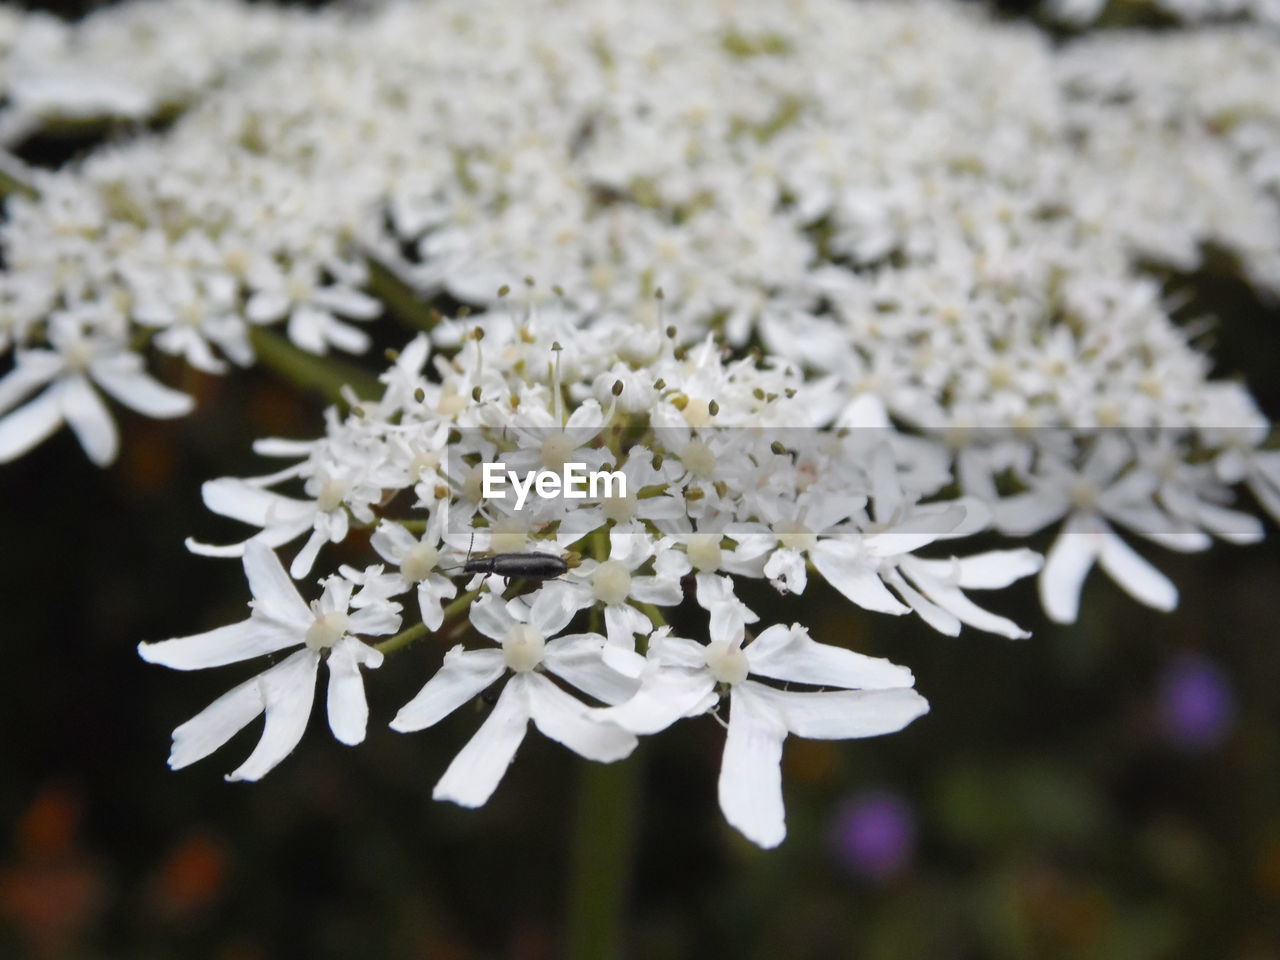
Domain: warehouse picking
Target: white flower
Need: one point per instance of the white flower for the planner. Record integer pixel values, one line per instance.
(529, 650)
(79, 362)
(311, 308)
(420, 560)
(326, 629)
(615, 585)
(681, 677)
(1099, 491)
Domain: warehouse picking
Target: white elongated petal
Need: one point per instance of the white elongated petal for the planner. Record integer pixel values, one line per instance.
(926, 609)
(842, 714)
(953, 600)
(216, 724)
(348, 302)
(230, 644)
(305, 558)
(29, 426)
(239, 500)
(984, 571)
(1135, 575)
(750, 783)
(122, 376)
(665, 695)
(282, 447)
(622, 622)
(489, 615)
(276, 536)
(1234, 526)
(288, 690)
(462, 676)
(266, 306)
(346, 337)
(551, 611)
(792, 655)
(89, 419)
(392, 542)
(579, 659)
(35, 368)
(274, 594)
(1024, 514)
(662, 591)
(918, 531)
(475, 772)
(844, 566)
(1065, 567)
(347, 706)
(568, 721)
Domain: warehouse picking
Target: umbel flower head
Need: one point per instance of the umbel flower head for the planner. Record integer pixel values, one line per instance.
(822, 338)
(736, 480)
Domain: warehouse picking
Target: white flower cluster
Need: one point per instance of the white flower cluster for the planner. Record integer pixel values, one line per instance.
(139, 61)
(729, 479)
(939, 229)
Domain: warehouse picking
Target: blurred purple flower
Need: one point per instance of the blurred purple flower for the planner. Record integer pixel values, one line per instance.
(1195, 703)
(873, 835)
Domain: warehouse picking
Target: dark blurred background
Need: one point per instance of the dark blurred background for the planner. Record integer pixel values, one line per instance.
(1106, 791)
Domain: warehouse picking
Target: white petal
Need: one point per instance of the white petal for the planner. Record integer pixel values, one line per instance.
(122, 376)
(348, 302)
(665, 695)
(239, 500)
(273, 592)
(578, 658)
(568, 721)
(288, 689)
(89, 419)
(622, 622)
(348, 708)
(918, 531)
(750, 771)
(1234, 526)
(266, 306)
(30, 425)
(791, 654)
(462, 676)
(984, 571)
(842, 714)
(346, 337)
(844, 566)
(476, 770)
(1065, 567)
(1026, 513)
(216, 724)
(951, 599)
(35, 368)
(230, 644)
(489, 615)
(276, 536)
(926, 609)
(392, 541)
(1139, 578)
(305, 558)
(552, 609)
(662, 591)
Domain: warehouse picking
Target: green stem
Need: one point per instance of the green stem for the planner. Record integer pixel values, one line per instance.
(401, 300)
(323, 375)
(410, 634)
(603, 850)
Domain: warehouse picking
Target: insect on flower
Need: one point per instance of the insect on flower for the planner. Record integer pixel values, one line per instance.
(516, 566)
